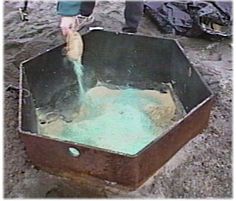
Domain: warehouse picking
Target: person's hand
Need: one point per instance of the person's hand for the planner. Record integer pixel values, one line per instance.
(67, 25)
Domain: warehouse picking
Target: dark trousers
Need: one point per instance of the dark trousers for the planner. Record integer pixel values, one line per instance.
(133, 11)
(86, 8)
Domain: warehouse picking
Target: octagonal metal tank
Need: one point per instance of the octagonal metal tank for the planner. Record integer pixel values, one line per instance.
(120, 59)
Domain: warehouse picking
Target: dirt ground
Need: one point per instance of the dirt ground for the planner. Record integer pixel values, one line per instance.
(201, 169)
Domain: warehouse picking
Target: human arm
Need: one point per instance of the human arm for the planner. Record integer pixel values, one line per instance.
(68, 10)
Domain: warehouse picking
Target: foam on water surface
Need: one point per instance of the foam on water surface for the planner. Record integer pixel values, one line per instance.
(123, 121)
(116, 120)
(113, 122)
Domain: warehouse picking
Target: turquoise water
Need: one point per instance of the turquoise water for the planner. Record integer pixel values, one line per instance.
(114, 122)
(126, 130)
(109, 119)
(78, 69)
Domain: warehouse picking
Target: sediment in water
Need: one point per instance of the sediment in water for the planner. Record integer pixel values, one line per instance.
(123, 121)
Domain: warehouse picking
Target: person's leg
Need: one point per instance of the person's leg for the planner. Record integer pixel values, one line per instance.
(85, 17)
(133, 14)
(86, 8)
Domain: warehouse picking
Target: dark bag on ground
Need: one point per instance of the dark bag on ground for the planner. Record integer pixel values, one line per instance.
(191, 18)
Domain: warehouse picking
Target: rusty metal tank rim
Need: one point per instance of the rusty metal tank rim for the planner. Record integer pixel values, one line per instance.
(129, 170)
(110, 151)
(102, 149)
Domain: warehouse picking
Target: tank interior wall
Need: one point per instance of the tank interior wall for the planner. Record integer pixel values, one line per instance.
(120, 58)
(187, 82)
